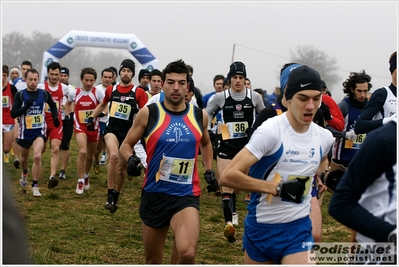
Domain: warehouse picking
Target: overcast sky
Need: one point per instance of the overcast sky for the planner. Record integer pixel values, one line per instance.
(359, 35)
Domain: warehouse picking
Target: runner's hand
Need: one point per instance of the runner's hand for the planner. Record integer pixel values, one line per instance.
(390, 118)
(56, 122)
(209, 177)
(134, 166)
(90, 124)
(351, 135)
(292, 189)
(28, 103)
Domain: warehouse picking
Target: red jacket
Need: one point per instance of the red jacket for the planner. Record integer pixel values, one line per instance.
(337, 121)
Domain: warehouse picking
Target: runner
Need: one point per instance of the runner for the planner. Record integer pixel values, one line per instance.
(86, 100)
(29, 106)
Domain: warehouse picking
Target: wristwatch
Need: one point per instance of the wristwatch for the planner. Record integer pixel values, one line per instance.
(278, 189)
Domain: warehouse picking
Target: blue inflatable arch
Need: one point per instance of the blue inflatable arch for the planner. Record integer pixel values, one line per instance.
(98, 39)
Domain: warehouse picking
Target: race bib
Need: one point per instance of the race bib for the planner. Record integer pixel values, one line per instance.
(234, 130)
(176, 170)
(48, 109)
(359, 139)
(357, 143)
(120, 111)
(6, 101)
(84, 115)
(34, 121)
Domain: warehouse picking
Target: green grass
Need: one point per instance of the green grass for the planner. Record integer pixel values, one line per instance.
(65, 228)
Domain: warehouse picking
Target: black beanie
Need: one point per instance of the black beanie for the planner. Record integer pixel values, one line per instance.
(237, 68)
(302, 78)
(65, 70)
(144, 72)
(127, 63)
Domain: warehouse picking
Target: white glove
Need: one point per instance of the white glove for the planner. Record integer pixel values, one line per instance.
(351, 135)
(390, 118)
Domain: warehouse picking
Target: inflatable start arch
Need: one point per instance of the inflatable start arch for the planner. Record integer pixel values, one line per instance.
(99, 39)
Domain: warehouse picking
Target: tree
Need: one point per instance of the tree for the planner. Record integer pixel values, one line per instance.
(13, 51)
(319, 60)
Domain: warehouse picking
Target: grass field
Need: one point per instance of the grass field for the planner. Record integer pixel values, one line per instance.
(65, 228)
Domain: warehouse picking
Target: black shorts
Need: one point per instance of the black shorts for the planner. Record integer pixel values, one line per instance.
(28, 143)
(67, 134)
(227, 149)
(119, 136)
(157, 209)
(215, 140)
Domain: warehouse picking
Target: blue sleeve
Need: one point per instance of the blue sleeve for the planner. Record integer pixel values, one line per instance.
(205, 99)
(376, 156)
(365, 122)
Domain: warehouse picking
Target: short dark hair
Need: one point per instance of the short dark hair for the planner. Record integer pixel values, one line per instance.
(114, 70)
(155, 72)
(260, 91)
(107, 70)
(26, 62)
(353, 79)
(53, 66)
(5, 69)
(32, 71)
(218, 77)
(190, 69)
(177, 66)
(88, 70)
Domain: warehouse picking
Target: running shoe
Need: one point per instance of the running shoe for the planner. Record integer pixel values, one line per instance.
(23, 181)
(235, 218)
(16, 163)
(35, 191)
(110, 204)
(62, 175)
(80, 188)
(103, 159)
(6, 158)
(96, 167)
(52, 182)
(230, 232)
(87, 184)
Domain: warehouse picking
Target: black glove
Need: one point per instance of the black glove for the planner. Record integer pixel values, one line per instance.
(28, 103)
(326, 111)
(56, 122)
(90, 124)
(292, 189)
(333, 179)
(102, 114)
(209, 177)
(134, 166)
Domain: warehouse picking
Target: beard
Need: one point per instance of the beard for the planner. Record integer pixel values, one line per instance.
(126, 80)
